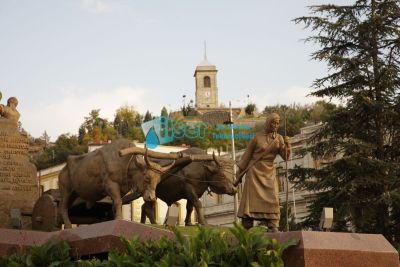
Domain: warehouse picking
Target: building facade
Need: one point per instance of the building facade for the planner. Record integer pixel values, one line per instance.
(206, 85)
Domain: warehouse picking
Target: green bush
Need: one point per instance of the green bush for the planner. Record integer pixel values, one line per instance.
(49, 254)
(209, 247)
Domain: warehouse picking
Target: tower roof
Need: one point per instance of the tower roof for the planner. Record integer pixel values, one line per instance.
(205, 62)
(205, 65)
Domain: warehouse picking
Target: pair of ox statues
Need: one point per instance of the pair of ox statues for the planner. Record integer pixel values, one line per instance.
(125, 172)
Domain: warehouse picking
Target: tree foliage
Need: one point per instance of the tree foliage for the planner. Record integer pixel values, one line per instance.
(298, 116)
(126, 122)
(95, 129)
(360, 43)
(147, 116)
(250, 109)
(65, 145)
(187, 109)
(164, 112)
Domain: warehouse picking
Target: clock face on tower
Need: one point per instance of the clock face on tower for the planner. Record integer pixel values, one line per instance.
(207, 93)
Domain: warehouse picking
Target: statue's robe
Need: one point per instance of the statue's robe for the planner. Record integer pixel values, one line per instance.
(260, 196)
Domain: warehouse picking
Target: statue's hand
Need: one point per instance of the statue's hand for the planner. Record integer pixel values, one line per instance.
(286, 140)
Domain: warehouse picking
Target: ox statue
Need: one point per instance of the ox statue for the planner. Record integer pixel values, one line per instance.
(190, 183)
(106, 172)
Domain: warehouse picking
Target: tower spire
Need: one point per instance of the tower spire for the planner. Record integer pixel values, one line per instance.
(205, 50)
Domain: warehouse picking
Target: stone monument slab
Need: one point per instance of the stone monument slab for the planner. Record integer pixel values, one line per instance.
(314, 249)
(19, 188)
(337, 249)
(85, 240)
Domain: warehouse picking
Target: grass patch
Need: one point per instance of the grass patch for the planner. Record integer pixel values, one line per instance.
(194, 230)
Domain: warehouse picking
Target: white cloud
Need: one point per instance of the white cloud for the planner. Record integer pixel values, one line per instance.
(67, 114)
(96, 6)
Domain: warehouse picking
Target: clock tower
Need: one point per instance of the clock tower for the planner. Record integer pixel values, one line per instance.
(206, 85)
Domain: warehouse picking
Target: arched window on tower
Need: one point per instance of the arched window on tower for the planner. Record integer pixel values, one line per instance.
(207, 81)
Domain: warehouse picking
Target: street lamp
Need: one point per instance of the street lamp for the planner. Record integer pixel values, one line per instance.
(184, 97)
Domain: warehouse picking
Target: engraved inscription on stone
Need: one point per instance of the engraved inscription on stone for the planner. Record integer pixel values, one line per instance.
(18, 182)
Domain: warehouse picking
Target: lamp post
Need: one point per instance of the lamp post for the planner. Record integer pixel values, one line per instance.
(184, 107)
(235, 197)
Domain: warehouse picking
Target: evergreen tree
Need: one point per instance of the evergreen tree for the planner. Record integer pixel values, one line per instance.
(360, 44)
(164, 112)
(147, 116)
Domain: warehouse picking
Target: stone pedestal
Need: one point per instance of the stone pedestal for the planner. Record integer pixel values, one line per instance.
(19, 188)
(338, 249)
(315, 248)
(86, 240)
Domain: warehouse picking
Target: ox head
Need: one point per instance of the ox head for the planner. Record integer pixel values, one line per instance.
(151, 173)
(218, 181)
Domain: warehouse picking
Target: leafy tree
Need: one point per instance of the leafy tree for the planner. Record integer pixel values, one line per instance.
(95, 128)
(360, 44)
(321, 111)
(296, 117)
(65, 145)
(250, 109)
(45, 138)
(125, 121)
(164, 112)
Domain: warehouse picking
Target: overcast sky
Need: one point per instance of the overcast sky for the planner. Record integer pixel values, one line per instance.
(63, 58)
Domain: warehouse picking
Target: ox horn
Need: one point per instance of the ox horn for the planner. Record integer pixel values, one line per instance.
(153, 154)
(155, 165)
(216, 160)
(168, 167)
(146, 159)
(138, 163)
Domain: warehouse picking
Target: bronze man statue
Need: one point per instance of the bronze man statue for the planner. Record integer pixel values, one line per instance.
(260, 196)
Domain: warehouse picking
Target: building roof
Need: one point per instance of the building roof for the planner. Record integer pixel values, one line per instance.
(205, 62)
(205, 65)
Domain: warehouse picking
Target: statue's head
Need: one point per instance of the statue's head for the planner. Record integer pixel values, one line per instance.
(12, 100)
(272, 123)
